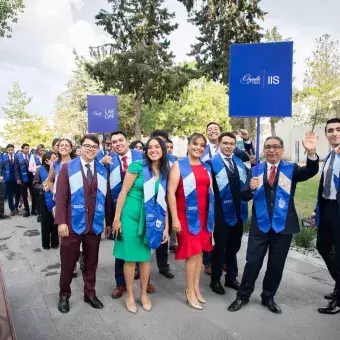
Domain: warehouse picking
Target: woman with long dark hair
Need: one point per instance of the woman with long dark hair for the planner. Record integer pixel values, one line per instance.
(191, 203)
(140, 223)
(49, 231)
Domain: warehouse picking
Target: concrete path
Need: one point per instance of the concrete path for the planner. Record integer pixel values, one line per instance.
(32, 277)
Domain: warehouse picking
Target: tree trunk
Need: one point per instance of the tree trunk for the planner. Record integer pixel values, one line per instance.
(272, 128)
(247, 124)
(138, 110)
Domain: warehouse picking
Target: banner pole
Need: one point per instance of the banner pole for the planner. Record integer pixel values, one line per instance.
(104, 144)
(257, 151)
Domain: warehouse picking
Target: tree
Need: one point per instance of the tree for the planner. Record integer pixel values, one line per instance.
(9, 11)
(321, 85)
(201, 102)
(274, 35)
(138, 61)
(21, 126)
(71, 105)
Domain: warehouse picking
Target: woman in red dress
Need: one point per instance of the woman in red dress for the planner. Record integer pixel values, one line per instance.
(189, 201)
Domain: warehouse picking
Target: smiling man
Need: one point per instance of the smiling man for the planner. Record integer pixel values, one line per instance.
(271, 185)
(80, 212)
(328, 214)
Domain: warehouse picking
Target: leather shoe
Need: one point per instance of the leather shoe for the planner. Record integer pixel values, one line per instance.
(216, 287)
(167, 273)
(208, 269)
(271, 305)
(150, 288)
(331, 296)
(234, 284)
(237, 305)
(63, 305)
(26, 214)
(34, 213)
(332, 308)
(118, 292)
(94, 302)
(3, 216)
(39, 219)
(13, 213)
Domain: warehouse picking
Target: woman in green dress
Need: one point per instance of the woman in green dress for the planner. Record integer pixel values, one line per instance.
(140, 221)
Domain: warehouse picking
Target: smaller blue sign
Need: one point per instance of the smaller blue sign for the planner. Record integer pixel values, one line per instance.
(260, 80)
(102, 113)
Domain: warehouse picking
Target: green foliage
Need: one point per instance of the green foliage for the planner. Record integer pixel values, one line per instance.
(138, 61)
(21, 126)
(9, 11)
(321, 87)
(202, 101)
(71, 106)
(222, 23)
(305, 238)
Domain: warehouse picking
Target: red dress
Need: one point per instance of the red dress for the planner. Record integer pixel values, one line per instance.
(189, 244)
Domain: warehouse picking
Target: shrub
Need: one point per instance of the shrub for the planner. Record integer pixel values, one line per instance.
(305, 238)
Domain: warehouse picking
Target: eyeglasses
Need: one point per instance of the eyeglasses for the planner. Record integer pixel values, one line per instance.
(139, 147)
(90, 147)
(274, 147)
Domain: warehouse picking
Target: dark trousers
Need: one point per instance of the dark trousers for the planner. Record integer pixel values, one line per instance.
(278, 246)
(37, 194)
(24, 188)
(49, 231)
(227, 244)
(12, 191)
(2, 198)
(162, 263)
(69, 255)
(328, 239)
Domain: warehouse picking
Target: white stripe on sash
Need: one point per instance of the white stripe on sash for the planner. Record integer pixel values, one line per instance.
(115, 177)
(189, 184)
(101, 183)
(76, 182)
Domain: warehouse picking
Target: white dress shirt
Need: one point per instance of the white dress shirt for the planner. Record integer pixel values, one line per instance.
(128, 159)
(332, 195)
(224, 159)
(213, 149)
(83, 163)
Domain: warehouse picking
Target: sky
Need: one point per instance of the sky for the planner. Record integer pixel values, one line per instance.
(40, 54)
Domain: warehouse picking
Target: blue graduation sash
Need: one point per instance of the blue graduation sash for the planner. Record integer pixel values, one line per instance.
(172, 159)
(100, 155)
(116, 173)
(189, 184)
(48, 195)
(78, 209)
(155, 207)
(6, 163)
(282, 198)
(228, 204)
(23, 167)
(207, 153)
(336, 176)
(57, 167)
(37, 160)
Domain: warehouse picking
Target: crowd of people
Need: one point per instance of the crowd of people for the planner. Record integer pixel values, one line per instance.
(144, 198)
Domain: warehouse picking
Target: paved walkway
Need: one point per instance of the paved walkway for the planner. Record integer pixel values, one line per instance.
(32, 277)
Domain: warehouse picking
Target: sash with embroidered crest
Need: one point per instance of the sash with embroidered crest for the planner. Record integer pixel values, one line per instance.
(23, 167)
(48, 195)
(155, 207)
(228, 205)
(189, 185)
(282, 198)
(78, 208)
(336, 181)
(6, 163)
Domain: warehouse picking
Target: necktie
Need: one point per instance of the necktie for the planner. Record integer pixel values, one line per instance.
(11, 159)
(26, 159)
(272, 175)
(124, 164)
(328, 179)
(89, 174)
(230, 165)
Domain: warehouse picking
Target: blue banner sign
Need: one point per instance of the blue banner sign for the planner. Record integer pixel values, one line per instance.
(261, 80)
(102, 113)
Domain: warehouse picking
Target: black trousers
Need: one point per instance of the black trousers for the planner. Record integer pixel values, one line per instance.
(227, 244)
(2, 197)
(49, 230)
(24, 188)
(328, 239)
(278, 246)
(13, 192)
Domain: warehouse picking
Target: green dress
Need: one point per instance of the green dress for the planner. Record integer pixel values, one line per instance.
(133, 247)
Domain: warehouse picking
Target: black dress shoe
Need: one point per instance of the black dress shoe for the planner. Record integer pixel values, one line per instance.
(3, 216)
(26, 214)
(34, 213)
(237, 305)
(271, 305)
(216, 287)
(39, 219)
(234, 284)
(94, 302)
(331, 296)
(63, 305)
(167, 273)
(332, 308)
